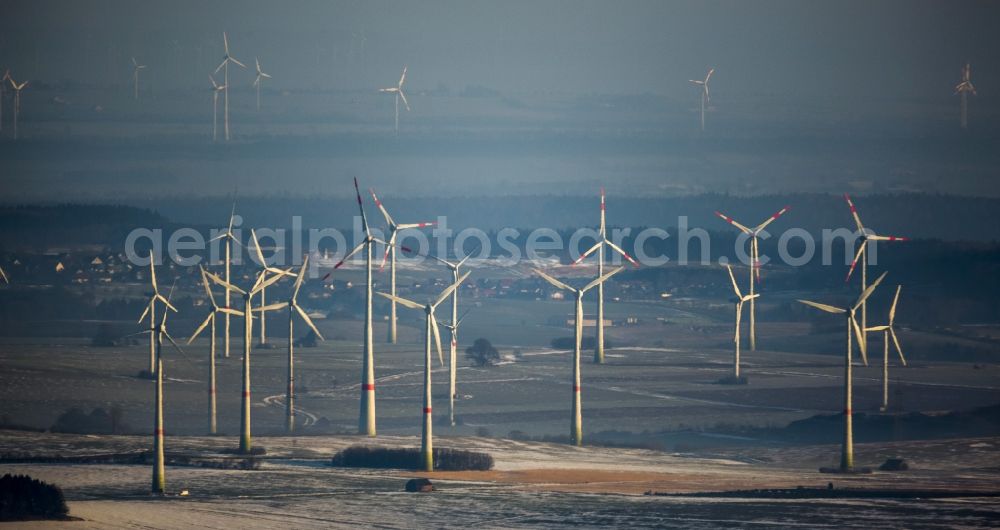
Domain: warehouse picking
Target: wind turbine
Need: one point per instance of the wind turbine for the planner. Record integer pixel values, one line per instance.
(366, 416)
(216, 88)
(257, 81)
(866, 236)
(599, 345)
(847, 448)
(135, 76)
(390, 254)
(17, 100)
(964, 88)
(889, 331)
(754, 234)
(226, 59)
(150, 310)
(576, 423)
(228, 238)
(247, 314)
(210, 319)
(705, 98)
(158, 332)
(293, 308)
(453, 359)
(263, 292)
(430, 328)
(453, 368)
(738, 301)
(398, 91)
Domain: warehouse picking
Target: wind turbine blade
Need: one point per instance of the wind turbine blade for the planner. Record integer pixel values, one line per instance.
(875, 237)
(588, 252)
(857, 258)
(152, 272)
(214, 86)
(824, 307)
(732, 278)
(224, 283)
(225, 42)
(388, 248)
(869, 290)
(771, 219)
(364, 220)
(451, 288)
(402, 78)
(223, 63)
(385, 213)
(256, 248)
(437, 337)
(300, 278)
(305, 318)
(201, 327)
(859, 335)
(241, 65)
(399, 300)
(467, 256)
(873, 329)
(350, 254)
(406, 226)
(268, 282)
(166, 302)
(448, 264)
(271, 307)
(602, 279)
(403, 95)
(624, 254)
(854, 213)
(899, 349)
(256, 80)
(145, 311)
(733, 222)
(895, 300)
(556, 283)
(231, 311)
(709, 76)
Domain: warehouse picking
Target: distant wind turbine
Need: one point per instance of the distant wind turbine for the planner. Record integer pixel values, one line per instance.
(216, 88)
(263, 292)
(135, 76)
(754, 234)
(228, 240)
(964, 88)
(210, 319)
(867, 236)
(398, 92)
(705, 98)
(855, 330)
(604, 242)
(3, 94)
(738, 301)
(576, 421)
(257, 81)
(150, 310)
(226, 59)
(430, 329)
(17, 100)
(390, 254)
(889, 332)
(453, 327)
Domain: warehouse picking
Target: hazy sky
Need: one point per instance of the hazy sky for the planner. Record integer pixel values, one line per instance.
(905, 48)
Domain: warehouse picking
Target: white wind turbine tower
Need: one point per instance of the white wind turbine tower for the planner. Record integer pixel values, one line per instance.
(754, 234)
(210, 319)
(226, 59)
(293, 309)
(135, 76)
(150, 310)
(866, 236)
(17, 100)
(228, 238)
(604, 241)
(453, 327)
(247, 314)
(430, 328)
(576, 422)
(390, 254)
(398, 92)
(847, 448)
(216, 88)
(964, 88)
(257, 81)
(705, 98)
(366, 416)
(738, 301)
(889, 332)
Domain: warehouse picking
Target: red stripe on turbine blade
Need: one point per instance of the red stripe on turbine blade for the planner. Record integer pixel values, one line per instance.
(368, 387)
(337, 266)
(427, 410)
(325, 276)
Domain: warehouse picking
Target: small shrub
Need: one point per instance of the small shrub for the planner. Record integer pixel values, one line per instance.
(482, 353)
(409, 458)
(483, 432)
(76, 421)
(24, 498)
